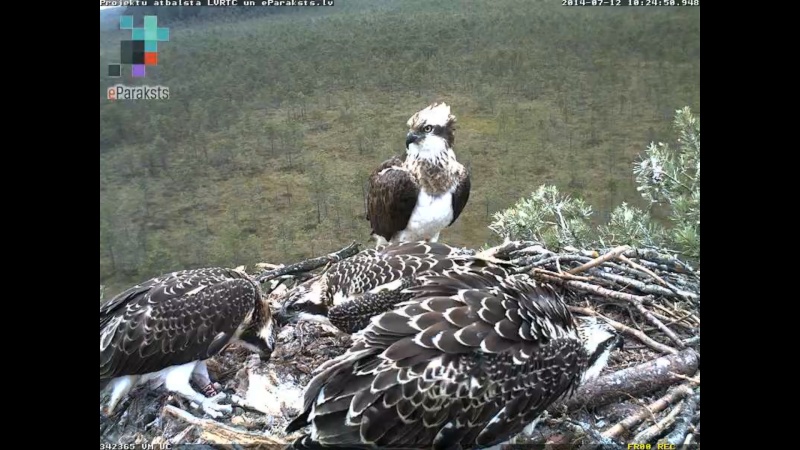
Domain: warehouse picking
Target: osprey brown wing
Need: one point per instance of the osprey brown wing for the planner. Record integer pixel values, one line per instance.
(461, 194)
(391, 198)
(182, 317)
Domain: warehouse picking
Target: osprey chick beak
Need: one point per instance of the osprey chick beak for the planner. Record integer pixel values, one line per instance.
(305, 302)
(620, 343)
(302, 310)
(280, 319)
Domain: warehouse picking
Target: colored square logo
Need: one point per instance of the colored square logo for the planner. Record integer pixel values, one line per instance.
(115, 70)
(125, 22)
(126, 52)
(131, 52)
(141, 49)
(150, 22)
(150, 59)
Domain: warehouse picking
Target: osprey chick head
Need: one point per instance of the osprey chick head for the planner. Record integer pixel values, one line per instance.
(431, 131)
(305, 302)
(259, 335)
(599, 339)
(258, 331)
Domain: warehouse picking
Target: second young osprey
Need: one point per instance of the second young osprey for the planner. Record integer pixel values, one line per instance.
(354, 290)
(163, 330)
(416, 197)
(468, 362)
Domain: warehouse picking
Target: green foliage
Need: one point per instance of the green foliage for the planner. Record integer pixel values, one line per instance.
(275, 120)
(669, 176)
(548, 217)
(665, 176)
(632, 226)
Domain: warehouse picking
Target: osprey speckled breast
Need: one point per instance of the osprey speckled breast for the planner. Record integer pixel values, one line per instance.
(415, 197)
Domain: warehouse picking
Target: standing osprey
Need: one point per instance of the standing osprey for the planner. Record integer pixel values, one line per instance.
(469, 362)
(164, 329)
(354, 290)
(415, 198)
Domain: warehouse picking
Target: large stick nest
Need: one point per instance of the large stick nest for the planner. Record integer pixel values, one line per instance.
(649, 393)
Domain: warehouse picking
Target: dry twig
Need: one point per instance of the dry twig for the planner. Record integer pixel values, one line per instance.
(583, 286)
(695, 380)
(585, 430)
(671, 263)
(692, 341)
(660, 325)
(641, 286)
(218, 433)
(679, 292)
(180, 436)
(643, 269)
(659, 427)
(562, 275)
(680, 434)
(691, 315)
(636, 300)
(631, 422)
(683, 322)
(640, 335)
(613, 254)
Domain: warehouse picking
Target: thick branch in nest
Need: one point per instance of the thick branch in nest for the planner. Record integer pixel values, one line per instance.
(309, 264)
(633, 381)
(214, 432)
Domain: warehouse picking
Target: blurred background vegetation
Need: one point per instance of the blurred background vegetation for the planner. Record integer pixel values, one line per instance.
(668, 178)
(277, 116)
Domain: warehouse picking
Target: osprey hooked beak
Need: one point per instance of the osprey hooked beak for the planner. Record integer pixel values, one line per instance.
(413, 137)
(260, 335)
(260, 338)
(599, 339)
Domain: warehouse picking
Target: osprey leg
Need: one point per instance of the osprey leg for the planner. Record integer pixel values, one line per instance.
(177, 380)
(200, 374)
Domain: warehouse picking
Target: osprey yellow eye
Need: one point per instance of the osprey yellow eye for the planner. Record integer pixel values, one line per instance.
(427, 128)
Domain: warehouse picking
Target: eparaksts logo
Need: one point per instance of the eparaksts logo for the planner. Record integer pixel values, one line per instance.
(122, 92)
